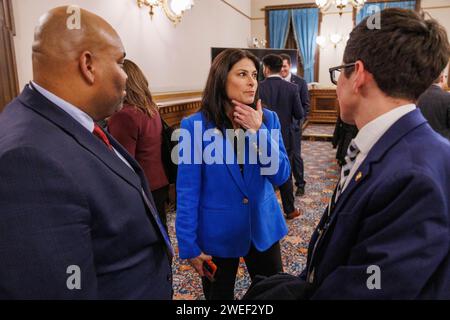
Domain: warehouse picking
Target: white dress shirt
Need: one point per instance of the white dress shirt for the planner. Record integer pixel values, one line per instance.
(372, 132)
(275, 76)
(288, 77)
(80, 116)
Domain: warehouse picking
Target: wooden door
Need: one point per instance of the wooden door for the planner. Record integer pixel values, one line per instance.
(9, 84)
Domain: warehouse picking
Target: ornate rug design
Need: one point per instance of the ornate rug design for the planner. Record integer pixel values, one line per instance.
(321, 172)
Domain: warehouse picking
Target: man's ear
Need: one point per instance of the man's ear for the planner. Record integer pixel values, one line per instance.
(87, 67)
(360, 76)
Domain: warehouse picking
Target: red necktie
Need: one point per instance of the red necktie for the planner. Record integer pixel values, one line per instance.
(102, 136)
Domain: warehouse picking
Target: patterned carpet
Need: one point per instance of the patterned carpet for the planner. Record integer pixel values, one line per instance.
(319, 129)
(321, 173)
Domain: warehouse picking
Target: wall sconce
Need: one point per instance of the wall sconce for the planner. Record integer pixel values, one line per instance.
(324, 5)
(174, 9)
(321, 41)
(256, 43)
(334, 38)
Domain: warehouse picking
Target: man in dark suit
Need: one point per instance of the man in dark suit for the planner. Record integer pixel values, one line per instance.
(77, 218)
(435, 106)
(283, 98)
(296, 129)
(386, 234)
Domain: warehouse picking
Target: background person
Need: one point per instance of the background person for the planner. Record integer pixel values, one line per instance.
(138, 127)
(297, 164)
(435, 106)
(282, 97)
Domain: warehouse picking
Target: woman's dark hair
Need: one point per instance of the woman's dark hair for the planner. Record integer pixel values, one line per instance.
(215, 97)
(404, 55)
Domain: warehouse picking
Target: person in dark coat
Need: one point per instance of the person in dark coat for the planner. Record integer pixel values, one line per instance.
(283, 98)
(298, 169)
(435, 106)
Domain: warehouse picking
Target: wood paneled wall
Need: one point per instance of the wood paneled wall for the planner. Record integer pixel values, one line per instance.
(324, 106)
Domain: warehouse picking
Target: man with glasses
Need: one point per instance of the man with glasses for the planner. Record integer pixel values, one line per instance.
(386, 231)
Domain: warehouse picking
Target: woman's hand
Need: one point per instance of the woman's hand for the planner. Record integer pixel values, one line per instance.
(197, 263)
(247, 117)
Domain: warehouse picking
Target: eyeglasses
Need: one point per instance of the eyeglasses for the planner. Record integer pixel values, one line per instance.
(335, 71)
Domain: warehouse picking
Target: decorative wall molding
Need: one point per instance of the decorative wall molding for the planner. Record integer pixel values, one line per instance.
(236, 9)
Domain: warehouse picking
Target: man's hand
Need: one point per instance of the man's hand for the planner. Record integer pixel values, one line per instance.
(247, 117)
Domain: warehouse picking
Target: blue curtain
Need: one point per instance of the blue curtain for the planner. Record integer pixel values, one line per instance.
(306, 27)
(278, 28)
(364, 12)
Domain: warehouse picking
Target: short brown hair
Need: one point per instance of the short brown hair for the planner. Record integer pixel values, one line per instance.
(274, 62)
(404, 56)
(287, 57)
(215, 97)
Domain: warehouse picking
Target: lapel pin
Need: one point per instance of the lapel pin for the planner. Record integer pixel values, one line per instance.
(358, 176)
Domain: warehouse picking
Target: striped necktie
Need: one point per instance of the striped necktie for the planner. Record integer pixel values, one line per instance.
(352, 153)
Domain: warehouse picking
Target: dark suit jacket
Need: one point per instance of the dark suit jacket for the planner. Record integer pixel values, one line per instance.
(394, 214)
(141, 135)
(282, 97)
(303, 92)
(67, 200)
(435, 106)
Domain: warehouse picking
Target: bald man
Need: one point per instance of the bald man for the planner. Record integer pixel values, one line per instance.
(77, 219)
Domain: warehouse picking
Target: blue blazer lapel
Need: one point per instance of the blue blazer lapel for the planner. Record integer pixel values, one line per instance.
(41, 105)
(398, 130)
(233, 167)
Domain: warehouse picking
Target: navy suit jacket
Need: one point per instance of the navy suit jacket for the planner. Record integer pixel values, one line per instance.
(282, 97)
(303, 92)
(394, 214)
(66, 200)
(435, 106)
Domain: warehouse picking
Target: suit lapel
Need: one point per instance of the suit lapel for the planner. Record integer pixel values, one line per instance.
(398, 130)
(41, 105)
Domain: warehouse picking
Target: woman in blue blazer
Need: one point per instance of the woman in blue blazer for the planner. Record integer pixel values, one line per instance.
(227, 208)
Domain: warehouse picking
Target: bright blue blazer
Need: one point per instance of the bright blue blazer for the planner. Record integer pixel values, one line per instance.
(220, 211)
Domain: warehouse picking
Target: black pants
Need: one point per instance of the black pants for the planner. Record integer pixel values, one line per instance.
(287, 191)
(160, 196)
(297, 160)
(265, 263)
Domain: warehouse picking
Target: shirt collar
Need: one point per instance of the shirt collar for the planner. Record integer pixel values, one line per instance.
(80, 116)
(288, 77)
(274, 76)
(374, 130)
